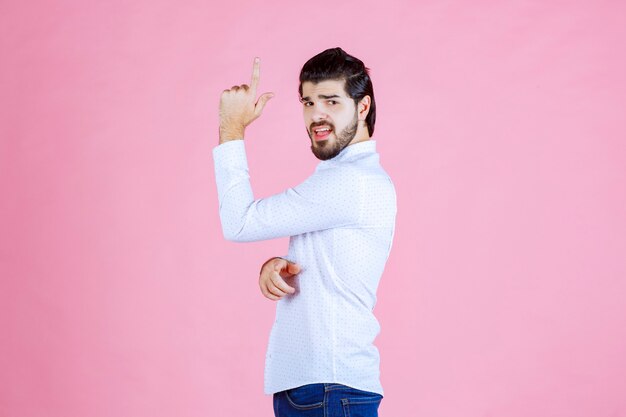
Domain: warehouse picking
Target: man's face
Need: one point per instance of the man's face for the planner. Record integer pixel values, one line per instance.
(330, 117)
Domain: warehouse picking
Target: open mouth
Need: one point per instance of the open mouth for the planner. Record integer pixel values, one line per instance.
(321, 132)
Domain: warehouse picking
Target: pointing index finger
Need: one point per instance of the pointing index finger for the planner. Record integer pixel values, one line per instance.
(255, 75)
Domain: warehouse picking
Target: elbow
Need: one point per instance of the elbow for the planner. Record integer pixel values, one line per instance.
(234, 235)
(231, 227)
(230, 235)
(235, 229)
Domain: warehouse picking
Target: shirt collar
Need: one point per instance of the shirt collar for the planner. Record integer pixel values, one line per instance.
(366, 146)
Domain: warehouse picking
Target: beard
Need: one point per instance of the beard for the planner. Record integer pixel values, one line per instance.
(327, 149)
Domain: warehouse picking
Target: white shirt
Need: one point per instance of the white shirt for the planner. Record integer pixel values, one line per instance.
(341, 223)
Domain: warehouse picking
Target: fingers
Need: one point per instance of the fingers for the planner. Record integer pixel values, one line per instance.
(271, 296)
(289, 269)
(267, 293)
(271, 281)
(255, 75)
(240, 103)
(263, 99)
(274, 288)
(278, 283)
(271, 278)
(293, 268)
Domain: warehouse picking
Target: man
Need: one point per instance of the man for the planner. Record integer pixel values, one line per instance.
(320, 358)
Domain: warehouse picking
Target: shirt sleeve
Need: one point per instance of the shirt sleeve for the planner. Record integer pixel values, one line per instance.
(329, 198)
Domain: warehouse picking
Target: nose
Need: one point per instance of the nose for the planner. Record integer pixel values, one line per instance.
(319, 114)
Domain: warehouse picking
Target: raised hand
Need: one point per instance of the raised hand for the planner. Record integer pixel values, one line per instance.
(239, 107)
(271, 278)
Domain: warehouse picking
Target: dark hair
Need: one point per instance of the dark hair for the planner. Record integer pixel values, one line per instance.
(336, 64)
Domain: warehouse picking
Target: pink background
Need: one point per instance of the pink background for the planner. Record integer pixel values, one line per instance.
(502, 125)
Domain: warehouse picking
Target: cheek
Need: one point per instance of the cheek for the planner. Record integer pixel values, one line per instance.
(343, 118)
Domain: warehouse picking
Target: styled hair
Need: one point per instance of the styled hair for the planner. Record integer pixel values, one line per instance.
(336, 64)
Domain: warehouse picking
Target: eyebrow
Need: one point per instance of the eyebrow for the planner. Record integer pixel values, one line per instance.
(307, 98)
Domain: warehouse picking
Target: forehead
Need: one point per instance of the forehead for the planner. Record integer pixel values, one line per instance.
(326, 87)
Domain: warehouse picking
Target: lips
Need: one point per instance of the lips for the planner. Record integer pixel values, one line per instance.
(321, 132)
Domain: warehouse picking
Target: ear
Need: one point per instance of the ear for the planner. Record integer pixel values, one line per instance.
(363, 107)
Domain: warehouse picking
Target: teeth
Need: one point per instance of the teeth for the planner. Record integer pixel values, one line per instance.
(325, 129)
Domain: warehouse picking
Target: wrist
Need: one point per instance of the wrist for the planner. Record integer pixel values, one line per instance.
(231, 133)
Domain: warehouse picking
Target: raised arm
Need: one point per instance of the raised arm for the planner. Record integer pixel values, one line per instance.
(331, 197)
(326, 199)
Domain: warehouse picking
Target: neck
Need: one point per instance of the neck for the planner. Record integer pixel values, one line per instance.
(361, 135)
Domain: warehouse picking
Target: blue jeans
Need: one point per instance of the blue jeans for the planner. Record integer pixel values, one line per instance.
(326, 400)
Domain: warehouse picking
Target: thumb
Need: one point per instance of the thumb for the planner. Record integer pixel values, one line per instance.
(260, 104)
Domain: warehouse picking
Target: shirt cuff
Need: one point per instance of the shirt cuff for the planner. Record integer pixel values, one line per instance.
(223, 150)
(231, 154)
(231, 165)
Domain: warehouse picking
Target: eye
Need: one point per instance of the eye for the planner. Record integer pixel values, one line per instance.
(307, 103)
(332, 102)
